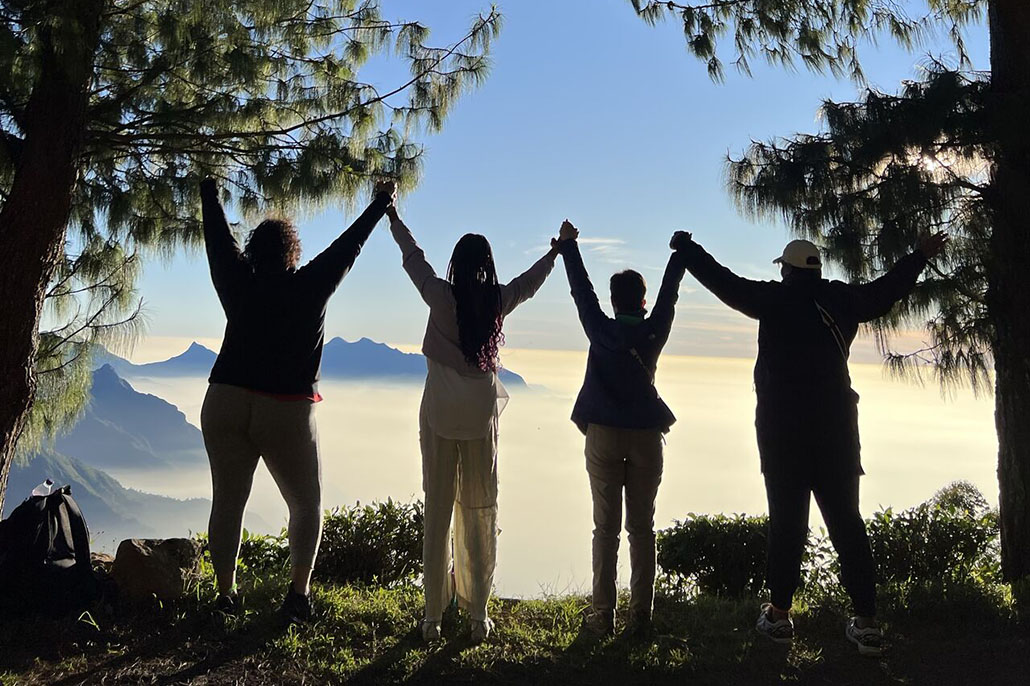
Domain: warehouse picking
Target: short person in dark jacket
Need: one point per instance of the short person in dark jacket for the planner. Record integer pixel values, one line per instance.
(807, 413)
(624, 420)
(264, 384)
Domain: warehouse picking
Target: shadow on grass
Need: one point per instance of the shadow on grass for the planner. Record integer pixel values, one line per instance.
(383, 666)
(250, 641)
(201, 639)
(702, 641)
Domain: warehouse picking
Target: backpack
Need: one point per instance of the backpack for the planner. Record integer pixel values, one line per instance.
(45, 564)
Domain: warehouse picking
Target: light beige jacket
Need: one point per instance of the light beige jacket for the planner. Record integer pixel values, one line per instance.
(441, 342)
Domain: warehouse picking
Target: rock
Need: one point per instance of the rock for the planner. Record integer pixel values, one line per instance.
(101, 563)
(162, 568)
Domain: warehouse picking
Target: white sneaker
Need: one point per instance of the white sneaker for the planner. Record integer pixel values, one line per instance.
(430, 631)
(869, 640)
(776, 630)
(480, 630)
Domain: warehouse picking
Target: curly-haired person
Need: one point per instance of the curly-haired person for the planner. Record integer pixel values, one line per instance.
(260, 402)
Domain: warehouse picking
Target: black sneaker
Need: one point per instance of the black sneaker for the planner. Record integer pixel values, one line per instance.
(599, 624)
(296, 607)
(228, 603)
(639, 625)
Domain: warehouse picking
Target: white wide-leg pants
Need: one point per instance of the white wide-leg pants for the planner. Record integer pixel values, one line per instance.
(459, 477)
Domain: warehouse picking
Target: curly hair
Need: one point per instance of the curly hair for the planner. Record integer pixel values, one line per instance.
(478, 298)
(273, 246)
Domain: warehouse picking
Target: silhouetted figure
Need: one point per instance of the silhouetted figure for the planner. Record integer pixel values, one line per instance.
(807, 413)
(264, 385)
(461, 406)
(624, 419)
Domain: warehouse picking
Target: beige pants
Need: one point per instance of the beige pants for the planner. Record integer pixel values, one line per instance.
(620, 460)
(241, 426)
(459, 477)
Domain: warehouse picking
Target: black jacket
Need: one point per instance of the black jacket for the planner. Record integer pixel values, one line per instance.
(807, 413)
(618, 389)
(275, 323)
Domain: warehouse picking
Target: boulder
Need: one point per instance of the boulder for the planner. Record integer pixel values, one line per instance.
(101, 563)
(161, 568)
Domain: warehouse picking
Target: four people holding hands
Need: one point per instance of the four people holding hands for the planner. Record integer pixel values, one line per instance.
(264, 385)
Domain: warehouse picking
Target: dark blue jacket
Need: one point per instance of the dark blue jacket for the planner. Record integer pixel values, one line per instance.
(807, 412)
(618, 389)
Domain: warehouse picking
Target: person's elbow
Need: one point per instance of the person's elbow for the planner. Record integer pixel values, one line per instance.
(876, 313)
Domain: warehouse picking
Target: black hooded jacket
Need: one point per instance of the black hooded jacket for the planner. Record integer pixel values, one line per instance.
(807, 413)
(275, 323)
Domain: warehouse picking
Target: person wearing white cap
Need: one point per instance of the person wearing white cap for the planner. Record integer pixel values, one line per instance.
(801, 254)
(807, 413)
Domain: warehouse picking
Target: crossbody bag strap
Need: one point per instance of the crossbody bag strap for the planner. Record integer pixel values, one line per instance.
(831, 324)
(638, 358)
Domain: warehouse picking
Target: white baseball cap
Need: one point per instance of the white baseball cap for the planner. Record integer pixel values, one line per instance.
(801, 254)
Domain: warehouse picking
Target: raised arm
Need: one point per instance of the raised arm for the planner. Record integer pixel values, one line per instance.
(525, 285)
(591, 316)
(223, 253)
(664, 309)
(332, 264)
(875, 299)
(748, 297)
(421, 273)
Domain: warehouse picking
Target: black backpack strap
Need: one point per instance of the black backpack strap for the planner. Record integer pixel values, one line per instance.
(79, 529)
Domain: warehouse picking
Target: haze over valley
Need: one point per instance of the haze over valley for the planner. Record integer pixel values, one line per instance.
(149, 422)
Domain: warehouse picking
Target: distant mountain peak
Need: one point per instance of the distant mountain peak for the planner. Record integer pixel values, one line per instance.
(368, 341)
(363, 342)
(105, 370)
(106, 377)
(127, 429)
(196, 350)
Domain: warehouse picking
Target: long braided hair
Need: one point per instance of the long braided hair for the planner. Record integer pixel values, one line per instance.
(474, 284)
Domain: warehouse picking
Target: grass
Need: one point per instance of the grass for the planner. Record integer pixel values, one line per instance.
(369, 636)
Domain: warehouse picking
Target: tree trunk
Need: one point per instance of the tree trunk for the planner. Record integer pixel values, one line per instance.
(1009, 274)
(33, 220)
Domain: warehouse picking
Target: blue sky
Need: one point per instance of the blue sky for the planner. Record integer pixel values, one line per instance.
(590, 114)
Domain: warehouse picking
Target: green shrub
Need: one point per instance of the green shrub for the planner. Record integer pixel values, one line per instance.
(378, 543)
(263, 553)
(945, 548)
(715, 554)
(950, 540)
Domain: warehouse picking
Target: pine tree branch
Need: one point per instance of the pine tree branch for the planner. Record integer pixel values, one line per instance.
(90, 323)
(314, 121)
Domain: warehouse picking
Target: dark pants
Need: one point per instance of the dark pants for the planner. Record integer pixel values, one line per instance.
(837, 498)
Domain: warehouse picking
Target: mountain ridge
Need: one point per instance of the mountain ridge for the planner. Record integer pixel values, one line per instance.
(125, 429)
(342, 360)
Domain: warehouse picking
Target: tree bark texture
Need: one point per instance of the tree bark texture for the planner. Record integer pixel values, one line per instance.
(34, 217)
(1009, 273)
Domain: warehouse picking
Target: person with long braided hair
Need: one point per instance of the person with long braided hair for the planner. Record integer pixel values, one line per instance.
(461, 405)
